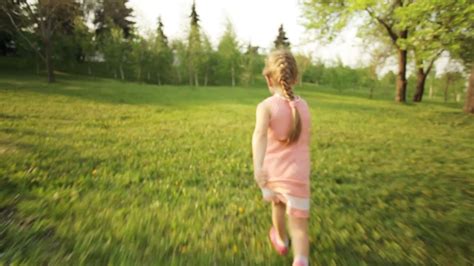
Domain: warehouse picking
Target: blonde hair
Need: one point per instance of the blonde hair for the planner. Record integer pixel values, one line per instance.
(280, 67)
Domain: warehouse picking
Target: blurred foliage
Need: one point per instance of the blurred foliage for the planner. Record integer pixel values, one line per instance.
(228, 51)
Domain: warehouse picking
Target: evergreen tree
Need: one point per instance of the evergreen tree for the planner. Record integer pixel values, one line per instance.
(194, 15)
(281, 40)
(194, 49)
(162, 56)
(118, 13)
(160, 34)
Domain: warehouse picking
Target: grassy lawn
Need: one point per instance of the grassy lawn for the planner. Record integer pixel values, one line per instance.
(96, 172)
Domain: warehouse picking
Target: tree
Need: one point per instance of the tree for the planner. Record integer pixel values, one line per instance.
(469, 104)
(209, 61)
(71, 37)
(229, 54)
(378, 58)
(194, 49)
(115, 49)
(466, 53)
(281, 40)
(84, 39)
(7, 29)
(303, 61)
(315, 72)
(114, 11)
(451, 81)
(423, 68)
(162, 55)
(179, 64)
(250, 65)
(328, 18)
(141, 56)
(47, 18)
(435, 26)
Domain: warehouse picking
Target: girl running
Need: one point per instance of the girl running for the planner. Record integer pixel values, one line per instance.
(281, 156)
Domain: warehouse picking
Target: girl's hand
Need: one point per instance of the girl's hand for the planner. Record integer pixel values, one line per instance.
(261, 177)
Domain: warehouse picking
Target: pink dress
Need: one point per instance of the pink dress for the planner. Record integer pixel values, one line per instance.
(288, 166)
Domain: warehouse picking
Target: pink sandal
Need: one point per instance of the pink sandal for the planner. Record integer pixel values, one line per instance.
(282, 250)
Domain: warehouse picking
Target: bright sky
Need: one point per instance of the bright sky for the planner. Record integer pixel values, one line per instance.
(255, 21)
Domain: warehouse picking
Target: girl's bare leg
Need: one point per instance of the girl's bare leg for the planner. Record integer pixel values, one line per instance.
(299, 236)
(278, 218)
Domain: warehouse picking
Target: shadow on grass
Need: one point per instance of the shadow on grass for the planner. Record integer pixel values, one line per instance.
(117, 92)
(452, 105)
(130, 93)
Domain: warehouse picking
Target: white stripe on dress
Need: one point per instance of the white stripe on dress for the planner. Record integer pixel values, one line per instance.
(292, 201)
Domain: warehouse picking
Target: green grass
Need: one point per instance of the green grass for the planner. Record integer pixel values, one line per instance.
(98, 172)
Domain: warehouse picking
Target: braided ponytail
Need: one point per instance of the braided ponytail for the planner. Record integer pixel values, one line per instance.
(281, 66)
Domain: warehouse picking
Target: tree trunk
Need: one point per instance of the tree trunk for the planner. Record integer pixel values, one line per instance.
(420, 84)
(446, 87)
(196, 79)
(139, 75)
(233, 75)
(49, 61)
(401, 77)
(206, 78)
(158, 78)
(122, 75)
(179, 76)
(469, 105)
(37, 65)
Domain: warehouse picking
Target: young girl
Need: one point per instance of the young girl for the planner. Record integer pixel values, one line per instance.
(281, 155)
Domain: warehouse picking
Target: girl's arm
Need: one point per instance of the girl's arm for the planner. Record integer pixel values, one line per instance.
(259, 143)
